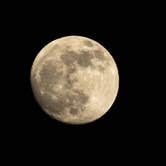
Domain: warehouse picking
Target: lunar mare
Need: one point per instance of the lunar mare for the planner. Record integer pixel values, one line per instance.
(74, 79)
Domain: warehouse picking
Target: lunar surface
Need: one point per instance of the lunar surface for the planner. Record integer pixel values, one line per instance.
(74, 79)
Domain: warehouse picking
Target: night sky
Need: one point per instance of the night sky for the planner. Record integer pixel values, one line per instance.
(124, 32)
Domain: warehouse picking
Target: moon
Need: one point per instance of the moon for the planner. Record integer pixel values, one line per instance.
(74, 79)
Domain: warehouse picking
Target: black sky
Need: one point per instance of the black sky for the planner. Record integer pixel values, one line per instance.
(124, 31)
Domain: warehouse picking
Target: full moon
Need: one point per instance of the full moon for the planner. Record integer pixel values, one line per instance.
(74, 79)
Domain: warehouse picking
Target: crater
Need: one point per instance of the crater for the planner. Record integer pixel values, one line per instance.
(88, 43)
(84, 58)
(74, 111)
(99, 54)
(101, 68)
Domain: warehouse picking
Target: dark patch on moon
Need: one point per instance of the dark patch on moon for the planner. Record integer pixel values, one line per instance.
(99, 54)
(76, 101)
(88, 43)
(60, 105)
(84, 58)
(74, 111)
(73, 99)
(77, 97)
(49, 74)
(101, 68)
(71, 69)
(81, 95)
(69, 57)
(69, 81)
(50, 104)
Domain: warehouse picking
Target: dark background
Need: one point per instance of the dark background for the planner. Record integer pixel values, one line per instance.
(125, 30)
